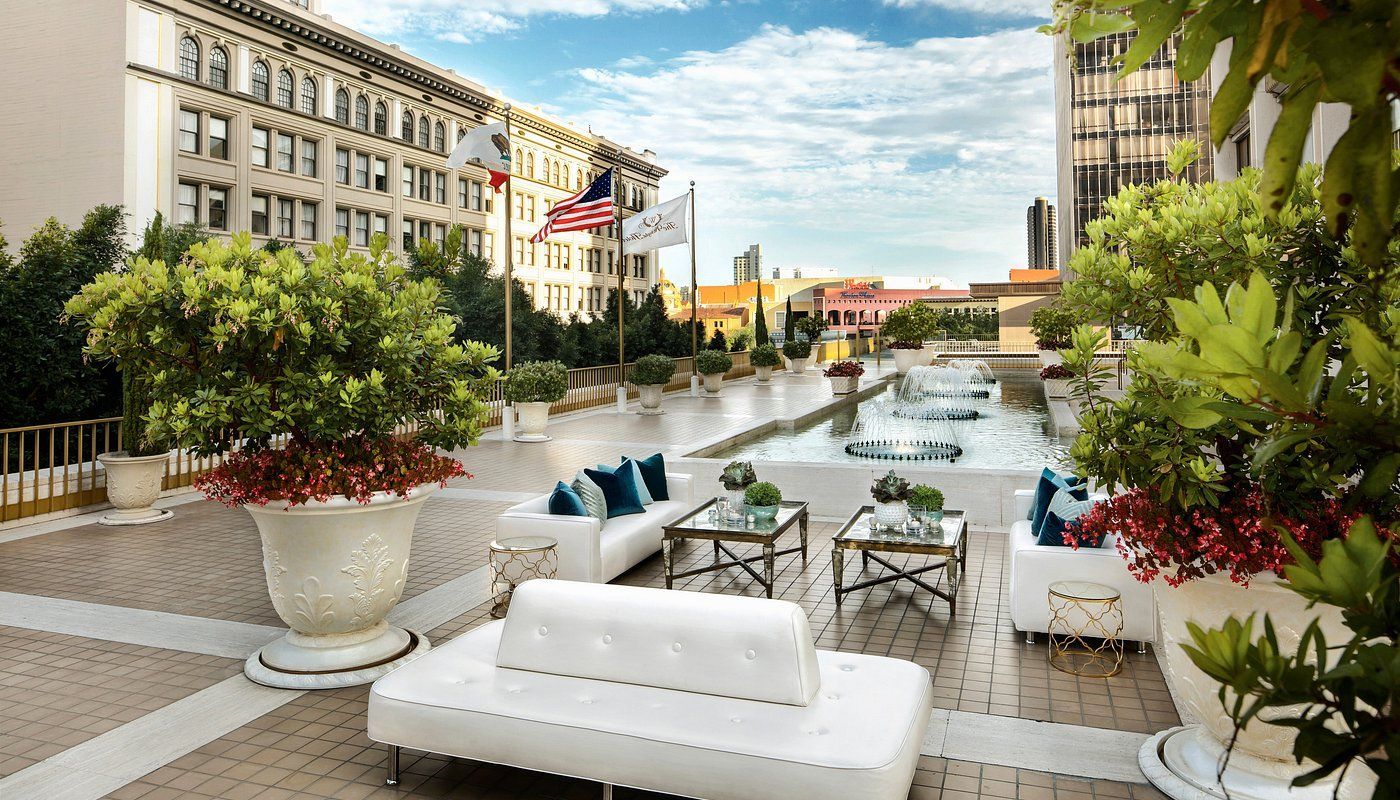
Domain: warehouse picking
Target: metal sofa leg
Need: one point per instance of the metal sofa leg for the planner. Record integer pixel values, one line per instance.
(1030, 637)
(393, 778)
(1142, 647)
(607, 791)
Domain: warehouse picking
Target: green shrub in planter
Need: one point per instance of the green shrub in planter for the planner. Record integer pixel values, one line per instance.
(763, 493)
(908, 326)
(794, 348)
(537, 382)
(712, 362)
(1052, 327)
(765, 355)
(653, 370)
(926, 496)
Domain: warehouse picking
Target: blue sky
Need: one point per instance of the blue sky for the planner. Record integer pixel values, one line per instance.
(897, 137)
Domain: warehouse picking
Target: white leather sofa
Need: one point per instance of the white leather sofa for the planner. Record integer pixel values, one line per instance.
(591, 551)
(1034, 567)
(700, 695)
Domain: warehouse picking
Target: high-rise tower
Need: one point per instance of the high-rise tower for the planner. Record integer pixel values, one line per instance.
(1042, 251)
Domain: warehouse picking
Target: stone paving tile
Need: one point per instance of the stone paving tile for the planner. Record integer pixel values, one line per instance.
(58, 691)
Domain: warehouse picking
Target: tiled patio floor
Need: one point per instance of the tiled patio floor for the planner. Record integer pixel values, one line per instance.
(60, 689)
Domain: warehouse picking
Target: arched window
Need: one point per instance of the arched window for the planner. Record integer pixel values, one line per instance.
(554, 174)
(439, 137)
(407, 132)
(423, 131)
(260, 80)
(342, 106)
(529, 165)
(361, 113)
(218, 68)
(578, 179)
(850, 317)
(284, 88)
(834, 318)
(518, 165)
(189, 59)
(381, 118)
(308, 95)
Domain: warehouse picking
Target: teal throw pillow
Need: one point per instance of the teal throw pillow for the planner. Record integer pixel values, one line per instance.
(564, 501)
(654, 474)
(620, 490)
(1063, 512)
(1049, 483)
(628, 465)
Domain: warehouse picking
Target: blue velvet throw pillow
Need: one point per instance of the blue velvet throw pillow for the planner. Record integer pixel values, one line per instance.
(1063, 512)
(1049, 483)
(564, 501)
(619, 489)
(654, 474)
(628, 465)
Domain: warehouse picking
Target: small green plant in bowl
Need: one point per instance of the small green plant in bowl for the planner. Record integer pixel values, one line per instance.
(929, 499)
(763, 500)
(765, 355)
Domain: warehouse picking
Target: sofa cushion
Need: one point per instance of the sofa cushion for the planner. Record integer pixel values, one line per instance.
(1045, 488)
(629, 464)
(564, 501)
(620, 491)
(592, 497)
(1063, 511)
(653, 469)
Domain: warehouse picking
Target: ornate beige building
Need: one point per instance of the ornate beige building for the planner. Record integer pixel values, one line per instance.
(267, 116)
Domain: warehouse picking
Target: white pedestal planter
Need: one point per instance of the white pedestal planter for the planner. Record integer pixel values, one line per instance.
(764, 374)
(797, 365)
(334, 571)
(712, 383)
(1183, 762)
(905, 360)
(650, 398)
(533, 419)
(845, 385)
(1057, 387)
(133, 485)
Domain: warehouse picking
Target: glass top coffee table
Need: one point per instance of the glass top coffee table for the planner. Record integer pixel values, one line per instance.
(947, 538)
(698, 524)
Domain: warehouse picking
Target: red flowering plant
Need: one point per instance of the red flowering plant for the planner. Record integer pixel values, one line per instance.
(1056, 372)
(844, 369)
(334, 378)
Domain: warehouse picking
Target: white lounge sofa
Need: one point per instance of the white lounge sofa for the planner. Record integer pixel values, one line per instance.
(591, 551)
(694, 694)
(1034, 567)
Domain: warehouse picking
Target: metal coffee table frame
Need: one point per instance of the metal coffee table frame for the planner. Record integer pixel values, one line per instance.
(736, 533)
(953, 548)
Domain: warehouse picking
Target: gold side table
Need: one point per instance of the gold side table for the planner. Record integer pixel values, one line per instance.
(516, 560)
(1086, 622)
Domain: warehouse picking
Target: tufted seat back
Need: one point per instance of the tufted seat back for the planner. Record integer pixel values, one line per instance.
(742, 647)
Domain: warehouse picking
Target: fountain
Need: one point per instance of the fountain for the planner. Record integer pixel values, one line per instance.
(924, 383)
(976, 370)
(879, 433)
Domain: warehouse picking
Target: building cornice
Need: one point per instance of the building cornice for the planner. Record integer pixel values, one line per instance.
(293, 23)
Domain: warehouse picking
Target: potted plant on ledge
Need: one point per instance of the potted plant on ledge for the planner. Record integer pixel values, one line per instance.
(798, 353)
(1056, 378)
(328, 385)
(135, 474)
(763, 500)
(712, 365)
(812, 326)
(650, 375)
(845, 376)
(891, 495)
(532, 387)
(764, 358)
(905, 329)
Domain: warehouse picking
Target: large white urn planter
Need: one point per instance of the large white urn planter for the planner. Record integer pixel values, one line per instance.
(650, 397)
(763, 374)
(133, 486)
(905, 360)
(712, 383)
(334, 571)
(816, 353)
(533, 419)
(798, 365)
(1183, 762)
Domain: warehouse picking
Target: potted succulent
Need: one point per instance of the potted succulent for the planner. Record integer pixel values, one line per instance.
(328, 387)
(1052, 326)
(798, 354)
(812, 326)
(764, 358)
(1056, 377)
(763, 500)
(891, 495)
(650, 375)
(136, 474)
(905, 329)
(845, 376)
(532, 387)
(929, 499)
(736, 477)
(712, 364)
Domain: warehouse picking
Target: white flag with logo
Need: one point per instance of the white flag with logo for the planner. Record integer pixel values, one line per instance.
(662, 225)
(485, 145)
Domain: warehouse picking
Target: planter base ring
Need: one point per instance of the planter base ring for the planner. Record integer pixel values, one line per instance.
(258, 671)
(1183, 770)
(652, 412)
(120, 519)
(529, 438)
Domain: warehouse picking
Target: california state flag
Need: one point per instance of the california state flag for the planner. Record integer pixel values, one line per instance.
(486, 146)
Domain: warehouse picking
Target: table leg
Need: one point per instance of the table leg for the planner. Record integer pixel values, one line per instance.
(802, 531)
(837, 567)
(716, 543)
(668, 559)
(864, 561)
(768, 569)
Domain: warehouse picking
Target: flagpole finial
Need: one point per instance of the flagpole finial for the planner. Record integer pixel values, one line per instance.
(507, 106)
(692, 184)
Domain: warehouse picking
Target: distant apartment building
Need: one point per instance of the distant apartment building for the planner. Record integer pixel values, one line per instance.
(1042, 250)
(794, 273)
(748, 265)
(267, 116)
(1111, 132)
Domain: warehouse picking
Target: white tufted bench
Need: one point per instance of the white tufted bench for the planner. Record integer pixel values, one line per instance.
(699, 695)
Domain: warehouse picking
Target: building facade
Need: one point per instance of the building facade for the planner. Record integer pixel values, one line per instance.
(266, 116)
(748, 265)
(795, 273)
(1042, 249)
(1111, 133)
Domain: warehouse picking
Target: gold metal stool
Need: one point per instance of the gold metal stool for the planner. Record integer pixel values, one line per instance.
(516, 560)
(1081, 611)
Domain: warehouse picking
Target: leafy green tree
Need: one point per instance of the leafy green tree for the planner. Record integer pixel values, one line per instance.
(741, 340)
(760, 322)
(958, 326)
(718, 342)
(162, 241)
(789, 323)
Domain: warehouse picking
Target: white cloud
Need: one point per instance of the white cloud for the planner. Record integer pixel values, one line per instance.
(844, 150)
(470, 21)
(1004, 8)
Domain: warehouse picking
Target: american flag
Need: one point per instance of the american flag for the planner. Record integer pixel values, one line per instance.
(590, 208)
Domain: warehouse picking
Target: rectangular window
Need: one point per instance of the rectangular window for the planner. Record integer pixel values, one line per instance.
(260, 147)
(474, 242)
(362, 170)
(381, 224)
(425, 230)
(218, 137)
(407, 233)
(284, 152)
(361, 229)
(519, 209)
(187, 204)
(284, 218)
(308, 158)
(425, 186)
(218, 209)
(189, 131)
(488, 245)
(381, 175)
(408, 181)
(476, 197)
(342, 223)
(260, 214)
(462, 192)
(530, 207)
(342, 165)
(308, 221)
(440, 188)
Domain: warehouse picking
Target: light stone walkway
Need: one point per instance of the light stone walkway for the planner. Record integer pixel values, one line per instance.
(122, 671)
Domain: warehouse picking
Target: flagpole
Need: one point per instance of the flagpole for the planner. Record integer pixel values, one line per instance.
(510, 246)
(694, 290)
(621, 298)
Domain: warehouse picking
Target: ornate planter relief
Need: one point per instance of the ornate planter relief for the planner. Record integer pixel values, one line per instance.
(650, 397)
(533, 419)
(764, 374)
(712, 382)
(133, 486)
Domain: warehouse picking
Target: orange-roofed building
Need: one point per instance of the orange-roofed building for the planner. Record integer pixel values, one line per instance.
(1034, 275)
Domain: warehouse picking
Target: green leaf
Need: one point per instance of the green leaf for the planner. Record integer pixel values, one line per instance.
(1377, 360)
(1155, 23)
(1285, 148)
(1192, 412)
(1266, 452)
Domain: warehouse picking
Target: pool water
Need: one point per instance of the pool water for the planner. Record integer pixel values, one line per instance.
(1013, 431)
